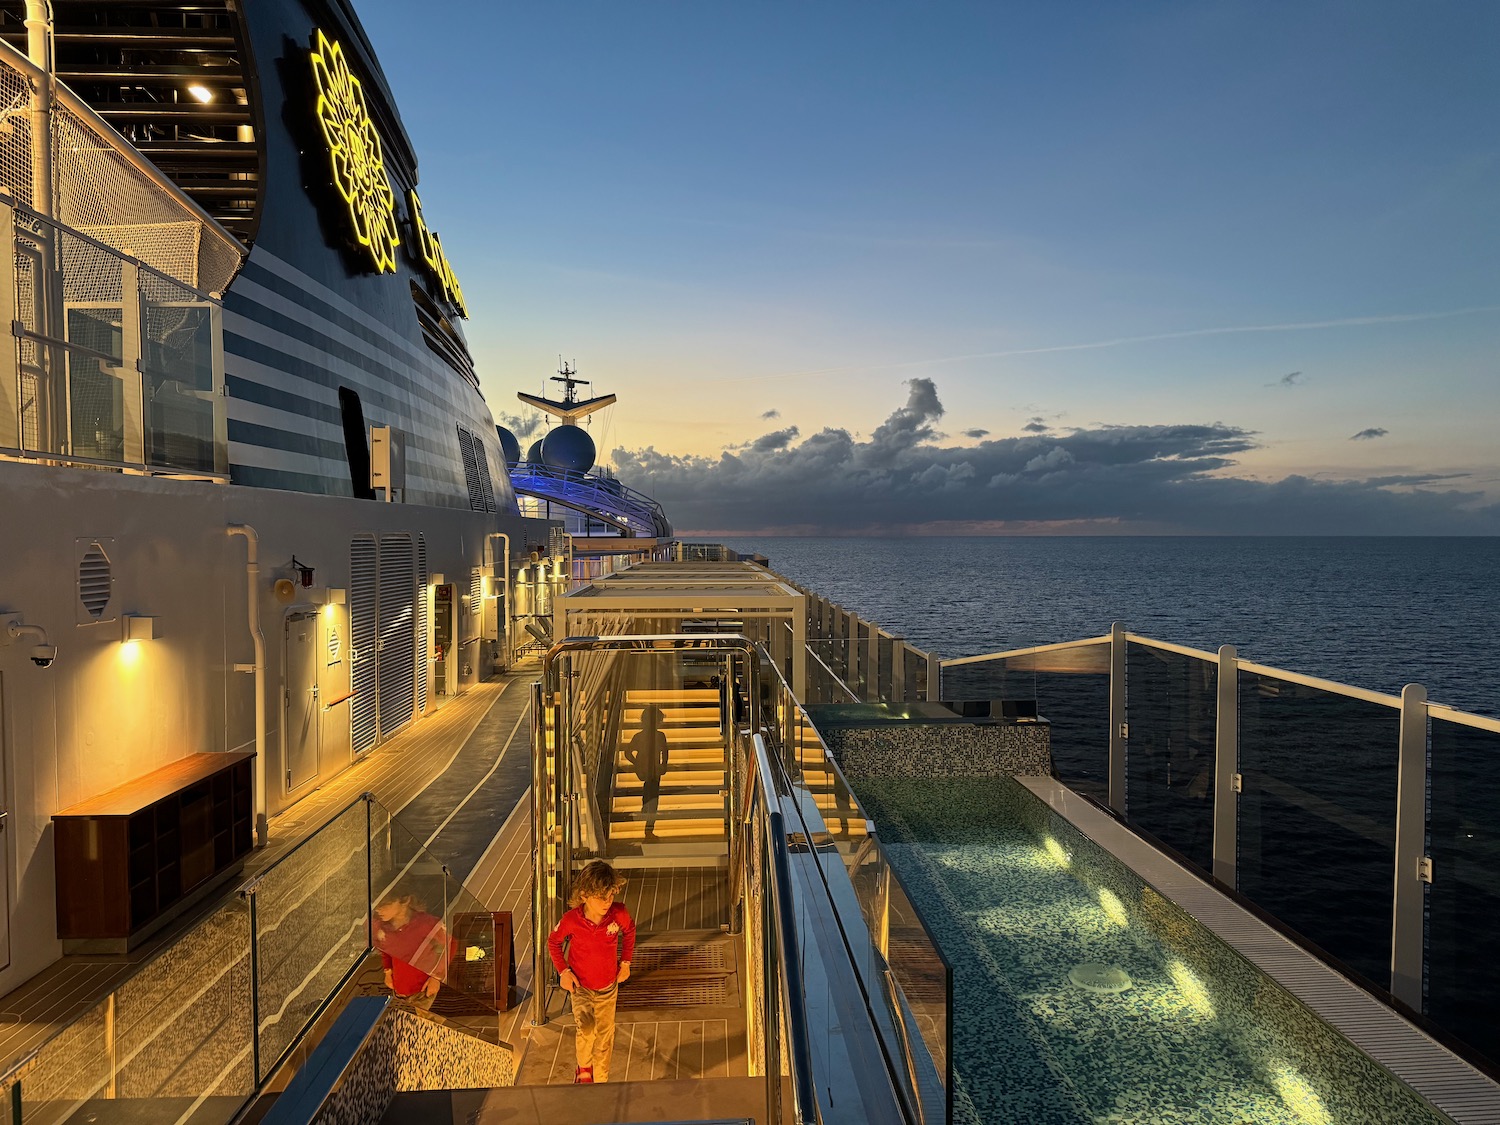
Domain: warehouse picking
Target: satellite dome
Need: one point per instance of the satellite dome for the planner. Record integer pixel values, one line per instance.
(534, 454)
(509, 445)
(568, 448)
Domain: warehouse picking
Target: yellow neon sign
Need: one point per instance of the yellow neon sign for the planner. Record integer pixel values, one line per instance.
(433, 257)
(355, 154)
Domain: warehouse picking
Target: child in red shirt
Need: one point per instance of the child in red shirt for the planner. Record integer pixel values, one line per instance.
(593, 929)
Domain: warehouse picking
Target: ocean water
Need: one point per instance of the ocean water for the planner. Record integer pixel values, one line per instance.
(1377, 613)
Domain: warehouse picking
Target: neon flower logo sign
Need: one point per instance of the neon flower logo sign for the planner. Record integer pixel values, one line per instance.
(355, 154)
(433, 257)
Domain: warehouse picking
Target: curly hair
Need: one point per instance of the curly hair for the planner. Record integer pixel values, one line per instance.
(597, 878)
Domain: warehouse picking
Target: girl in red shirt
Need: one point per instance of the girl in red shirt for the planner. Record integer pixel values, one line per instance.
(591, 950)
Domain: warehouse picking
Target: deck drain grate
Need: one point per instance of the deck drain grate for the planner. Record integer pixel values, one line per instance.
(675, 992)
(680, 957)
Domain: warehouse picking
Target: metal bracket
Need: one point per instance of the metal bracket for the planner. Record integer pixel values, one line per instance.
(1124, 730)
(1424, 869)
(1238, 783)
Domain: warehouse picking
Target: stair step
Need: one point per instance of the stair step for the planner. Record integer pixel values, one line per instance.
(671, 695)
(688, 777)
(694, 799)
(713, 814)
(677, 756)
(632, 716)
(698, 831)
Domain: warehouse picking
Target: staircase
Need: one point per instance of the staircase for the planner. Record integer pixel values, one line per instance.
(689, 820)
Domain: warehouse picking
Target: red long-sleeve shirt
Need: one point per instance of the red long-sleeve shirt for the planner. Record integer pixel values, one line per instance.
(413, 952)
(592, 949)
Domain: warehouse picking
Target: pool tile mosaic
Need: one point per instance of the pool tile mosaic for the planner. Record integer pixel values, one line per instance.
(1018, 899)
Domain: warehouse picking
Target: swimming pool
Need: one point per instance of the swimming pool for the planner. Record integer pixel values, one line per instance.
(1083, 997)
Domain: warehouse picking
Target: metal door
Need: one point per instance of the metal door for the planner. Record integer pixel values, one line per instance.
(303, 709)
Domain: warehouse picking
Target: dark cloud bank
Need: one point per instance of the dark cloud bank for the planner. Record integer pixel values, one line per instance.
(1110, 479)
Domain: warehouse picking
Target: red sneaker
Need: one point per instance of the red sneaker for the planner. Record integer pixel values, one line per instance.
(583, 1075)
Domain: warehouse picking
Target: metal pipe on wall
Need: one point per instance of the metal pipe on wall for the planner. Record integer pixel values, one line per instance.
(504, 587)
(252, 583)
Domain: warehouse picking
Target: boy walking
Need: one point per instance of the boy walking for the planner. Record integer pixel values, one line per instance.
(591, 950)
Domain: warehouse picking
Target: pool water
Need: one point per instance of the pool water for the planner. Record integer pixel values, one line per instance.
(1083, 997)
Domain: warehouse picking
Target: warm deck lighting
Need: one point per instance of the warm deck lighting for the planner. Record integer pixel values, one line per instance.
(202, 93)
(130, 652)
(1192, 989)
(1113, 908)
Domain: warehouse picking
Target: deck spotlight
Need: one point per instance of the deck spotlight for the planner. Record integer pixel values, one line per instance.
(1192, 988)
(201, 93)
(1058, 853)
(1299, 1096)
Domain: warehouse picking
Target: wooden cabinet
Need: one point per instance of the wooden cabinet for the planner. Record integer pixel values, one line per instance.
(126, 858)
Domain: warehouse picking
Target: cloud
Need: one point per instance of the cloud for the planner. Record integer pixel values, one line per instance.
(522, 425)
(1291, 379)
(1036, 425)
(1367, 435)
(1168, 478)
(976, 434)
(780, 439)
(769, 414)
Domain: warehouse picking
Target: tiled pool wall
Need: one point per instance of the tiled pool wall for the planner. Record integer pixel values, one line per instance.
(917, 749)
(915, 818)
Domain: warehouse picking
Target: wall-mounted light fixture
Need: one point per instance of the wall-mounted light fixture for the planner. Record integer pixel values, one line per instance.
(134, 627)
(201, 93)
(304, 572)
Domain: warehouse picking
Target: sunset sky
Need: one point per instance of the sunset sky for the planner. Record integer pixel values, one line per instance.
(1045, 266)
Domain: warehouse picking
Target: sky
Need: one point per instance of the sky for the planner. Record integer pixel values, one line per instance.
(1045, 267)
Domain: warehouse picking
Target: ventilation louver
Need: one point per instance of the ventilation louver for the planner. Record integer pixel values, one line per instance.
(96, 582)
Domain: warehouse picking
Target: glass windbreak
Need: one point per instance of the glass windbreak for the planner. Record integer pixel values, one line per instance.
(1067, 688)
(915, 662)
(833, 819)
(885, 672)
(176, 1032)
(1463, 902)
(1171, 709)
(437, 943)
(311, 922)
(181, 384)
(1317, 816)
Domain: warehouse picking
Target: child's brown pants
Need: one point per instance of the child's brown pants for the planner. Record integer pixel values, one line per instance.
(594, 1015)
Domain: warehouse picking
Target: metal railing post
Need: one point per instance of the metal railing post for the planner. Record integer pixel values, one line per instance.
(254, 994)
(898, 670)
(1118, 732)
(1413, 865)
(851, 621)
(539, 834)
(132, 377)
(872, 664)
(1227, 769)
(934, 678)
(10, 352)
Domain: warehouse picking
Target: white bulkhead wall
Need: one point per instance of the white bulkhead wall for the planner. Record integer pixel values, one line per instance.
(105, 713)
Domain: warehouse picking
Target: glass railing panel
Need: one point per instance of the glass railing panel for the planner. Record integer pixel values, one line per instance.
(179, 364)
(833, 819)
(1317, 815)
(175, 1035)
(1070, 687)
(311, 924)
(914, 663)
(1463, 902)
(885, 672)
(1171, 710)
